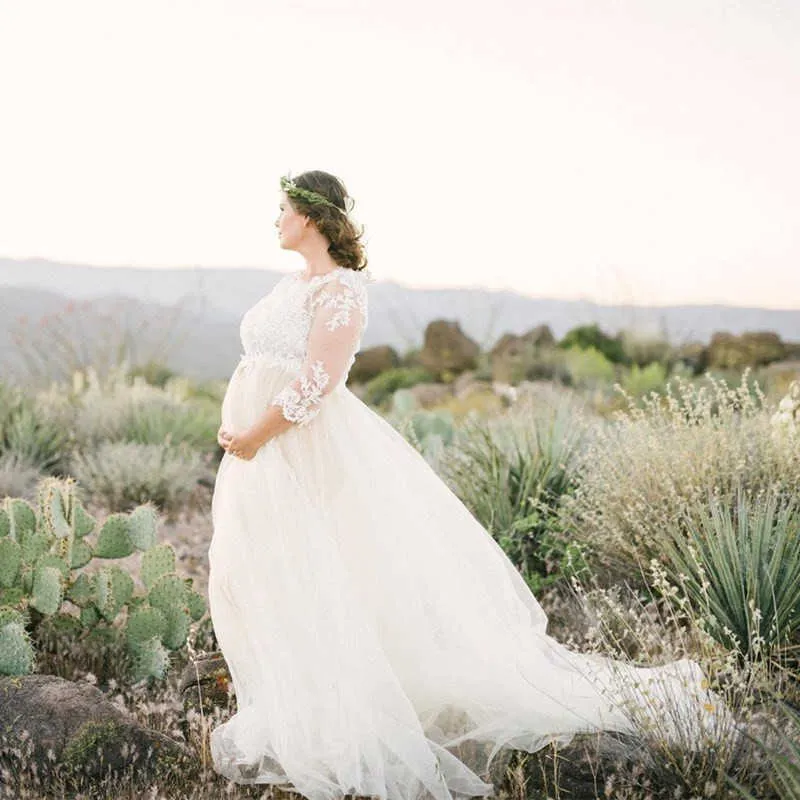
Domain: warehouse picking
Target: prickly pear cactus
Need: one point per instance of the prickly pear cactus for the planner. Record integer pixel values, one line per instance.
(17, 655)
(43, 549)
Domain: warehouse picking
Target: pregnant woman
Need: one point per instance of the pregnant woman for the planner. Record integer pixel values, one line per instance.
(380, 642)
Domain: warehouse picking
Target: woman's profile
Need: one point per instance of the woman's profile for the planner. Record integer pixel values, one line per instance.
(372, 627)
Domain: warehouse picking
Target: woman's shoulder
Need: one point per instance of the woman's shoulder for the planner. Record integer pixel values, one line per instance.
(354, 278)
(340, 281)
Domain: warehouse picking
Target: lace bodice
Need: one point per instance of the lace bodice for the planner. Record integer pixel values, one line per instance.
(313, 326)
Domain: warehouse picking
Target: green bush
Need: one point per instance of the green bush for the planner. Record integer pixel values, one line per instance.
(588, 368)
(649, 464)
(513, 472)
(739, 563)
(145, 414)
(30, 433)
(643, 349)
(383, 386)
(585, 337)
(643, 380)
(549, 364)
(121, 475)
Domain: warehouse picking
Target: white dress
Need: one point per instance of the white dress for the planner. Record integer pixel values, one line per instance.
(379, 640)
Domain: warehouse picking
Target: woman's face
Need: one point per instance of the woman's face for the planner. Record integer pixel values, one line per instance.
(291, 225)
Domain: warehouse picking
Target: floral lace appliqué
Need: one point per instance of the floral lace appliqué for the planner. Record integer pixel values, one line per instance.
(303, 405)
(341, 301)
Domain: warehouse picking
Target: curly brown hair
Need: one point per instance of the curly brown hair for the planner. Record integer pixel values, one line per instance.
(346, 247)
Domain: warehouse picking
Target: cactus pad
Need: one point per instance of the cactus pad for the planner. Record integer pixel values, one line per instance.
(145, 623)
(52, 560)
(114, 539)
(168, 592)
(16, 652)
(21, 515)
(113, 588)
(10, 561)
(80, 592)
(81, 554)
(196, 605)
(89, 616)
(150, 658)
(83, 523)
(157, 561)
(143, 522)
(48, 589)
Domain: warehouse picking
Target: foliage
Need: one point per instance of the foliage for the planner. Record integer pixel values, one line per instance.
(512, 473)
(588, 367)
(667, 458)
(18, 477)
(428, 431)
(643, 380)
(642, 349)
(585, 337)
(122, 474)
(44, 551)
(739, 563)
(378, 390)
(783, 757)
(156, 373)
(116, 409)
(28, 432)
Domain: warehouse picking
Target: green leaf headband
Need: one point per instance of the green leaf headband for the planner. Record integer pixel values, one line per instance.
(315, 198)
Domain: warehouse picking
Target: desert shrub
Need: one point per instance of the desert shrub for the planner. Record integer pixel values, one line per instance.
(548, 364)
(28, 431)
(18, 476)
(121, 475)
(642, 349)
(585, 337)
(643, 380)
(383, 386)
(648, 465)
(483, 367)
(781, 749)
(156, 373)
(119, 411)
(588, 367)
(657, 626)
(738, 561)
(512, 472)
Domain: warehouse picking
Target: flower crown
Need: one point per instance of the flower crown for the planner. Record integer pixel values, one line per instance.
(315, 198)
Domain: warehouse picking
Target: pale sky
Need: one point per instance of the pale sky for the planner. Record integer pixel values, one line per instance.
(641, 151)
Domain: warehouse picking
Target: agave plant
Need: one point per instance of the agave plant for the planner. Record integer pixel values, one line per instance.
(513, 473)
(739, 564)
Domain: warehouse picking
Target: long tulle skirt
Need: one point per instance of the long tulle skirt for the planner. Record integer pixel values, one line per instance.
(379, 640)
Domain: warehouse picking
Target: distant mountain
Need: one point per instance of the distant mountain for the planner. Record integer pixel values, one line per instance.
(192, 315)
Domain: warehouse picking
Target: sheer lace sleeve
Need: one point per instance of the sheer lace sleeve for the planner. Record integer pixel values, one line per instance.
(339, 315)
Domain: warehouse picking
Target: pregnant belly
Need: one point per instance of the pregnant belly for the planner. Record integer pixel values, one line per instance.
(251, 389)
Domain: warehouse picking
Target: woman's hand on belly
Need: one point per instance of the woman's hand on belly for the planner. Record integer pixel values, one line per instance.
(243, 445)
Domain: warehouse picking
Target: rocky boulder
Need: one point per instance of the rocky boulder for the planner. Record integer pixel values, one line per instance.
(726, 351)
(47, 721)
(447, 349)
(540, 336)
(372, 362)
